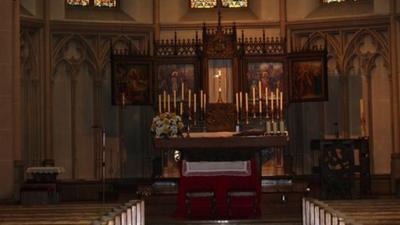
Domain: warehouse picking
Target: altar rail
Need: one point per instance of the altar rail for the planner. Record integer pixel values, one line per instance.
(351, 212)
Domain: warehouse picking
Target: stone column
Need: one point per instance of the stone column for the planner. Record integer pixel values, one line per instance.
(47, 77)
(395, 113)
(156, 19)
(282, 17)
(10, 138)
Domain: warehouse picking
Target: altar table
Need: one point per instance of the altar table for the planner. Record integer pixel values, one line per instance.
(226, 140)
(216, 194)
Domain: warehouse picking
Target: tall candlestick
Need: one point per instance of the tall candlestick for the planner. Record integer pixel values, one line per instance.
(259, 90)
(266, 97)
(281, 102)
(194, 103)
(277, 98)
(254, 96)
(240, 100)
(362, 119)
(272, 102)
(159, 104)
(183, 92)
(168, 103)
(246, 102)
(201, 100)
(123, 99)
(205, 103)
(165, 101)
(237, 101)
(361, 108)
(189, 97)
(103, 134)
(260, 106)
(174, 93)
(181, 108)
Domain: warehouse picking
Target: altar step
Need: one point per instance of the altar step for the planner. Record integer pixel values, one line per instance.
(276, 221)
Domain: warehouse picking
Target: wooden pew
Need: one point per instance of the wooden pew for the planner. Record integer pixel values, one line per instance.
(352, 212)
(131, 213)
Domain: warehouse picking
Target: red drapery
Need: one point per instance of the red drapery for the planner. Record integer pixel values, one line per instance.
(241, 207)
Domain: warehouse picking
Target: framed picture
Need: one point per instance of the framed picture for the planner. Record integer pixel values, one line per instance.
(269, 72)
(308, 78)
(172, 75)
(131, 82)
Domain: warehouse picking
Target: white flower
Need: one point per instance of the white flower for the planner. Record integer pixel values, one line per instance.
(167, 125)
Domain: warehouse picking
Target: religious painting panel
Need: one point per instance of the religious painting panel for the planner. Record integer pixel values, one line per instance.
(265, 74)
(175, 79)
(131, 82)
(308, 78)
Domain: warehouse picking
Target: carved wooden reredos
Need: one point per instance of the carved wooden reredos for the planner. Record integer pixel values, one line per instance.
(216, 38)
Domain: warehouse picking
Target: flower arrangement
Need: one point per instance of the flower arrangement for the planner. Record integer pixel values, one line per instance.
(167, 125)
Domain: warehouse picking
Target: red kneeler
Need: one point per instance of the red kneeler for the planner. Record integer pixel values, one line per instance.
(220, 197)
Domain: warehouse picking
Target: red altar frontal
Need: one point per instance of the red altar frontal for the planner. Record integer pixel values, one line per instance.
(219, 174)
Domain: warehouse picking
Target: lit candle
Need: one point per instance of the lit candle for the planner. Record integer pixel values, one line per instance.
(183, 92)
(259, 90)
(174, 93)
(201, 100)
(165, 101)
(194, 102)
(189, 97)
(240, 100)
(254, 97)
(237, 101)
(159, 103)
(246, 102)
(168, 103)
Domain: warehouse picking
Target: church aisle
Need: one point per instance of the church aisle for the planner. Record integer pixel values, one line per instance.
(160, 209)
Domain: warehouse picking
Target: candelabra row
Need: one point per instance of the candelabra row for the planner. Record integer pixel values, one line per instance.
(165, 103)
(270, 107)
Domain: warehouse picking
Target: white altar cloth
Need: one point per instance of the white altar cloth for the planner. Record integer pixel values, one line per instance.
(45, 169)
(207, 168)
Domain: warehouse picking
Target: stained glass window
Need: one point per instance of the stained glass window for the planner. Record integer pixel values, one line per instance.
(234, 3)
(203, 4)
(330, 1)
(78, 2)
(105, 3)
(93, 3)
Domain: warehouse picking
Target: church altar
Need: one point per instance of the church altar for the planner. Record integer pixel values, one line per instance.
(221, 140)
(219, 146)
(219, 172)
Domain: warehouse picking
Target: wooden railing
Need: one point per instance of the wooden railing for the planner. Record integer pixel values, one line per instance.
(316, 212)
(131, 213)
